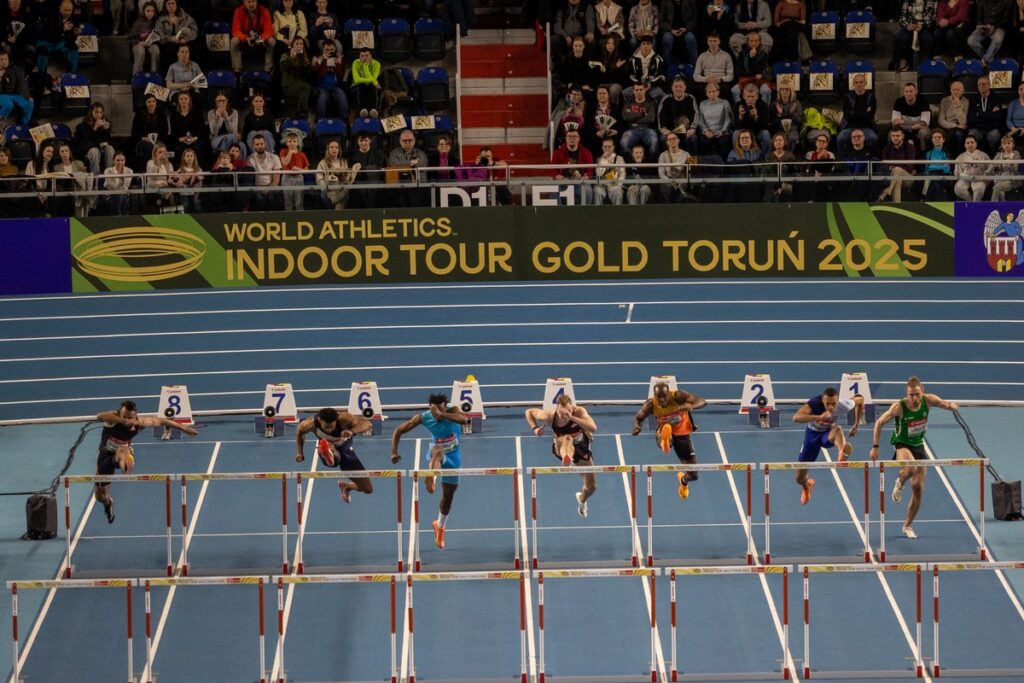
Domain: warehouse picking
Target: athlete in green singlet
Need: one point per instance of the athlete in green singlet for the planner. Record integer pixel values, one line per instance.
(911, 415)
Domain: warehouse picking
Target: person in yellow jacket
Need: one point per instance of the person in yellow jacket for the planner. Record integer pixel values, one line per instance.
(366, 83)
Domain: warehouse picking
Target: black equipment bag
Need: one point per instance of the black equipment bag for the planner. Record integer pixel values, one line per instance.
(1006, 503)
(41, 517)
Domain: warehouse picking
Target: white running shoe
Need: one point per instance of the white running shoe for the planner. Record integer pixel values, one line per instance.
(897, 490)
(909, 532)
(582, 509)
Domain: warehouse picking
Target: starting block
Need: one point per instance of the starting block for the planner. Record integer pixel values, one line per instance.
(364, 399)
(174, 405)
(278, 408)
(466, 395)
(670, 380)
(762, 416)
(854, 383)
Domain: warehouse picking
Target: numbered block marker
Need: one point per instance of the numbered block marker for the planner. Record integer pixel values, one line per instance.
(854, 383)
(555, 388)
(174, 405)
(466, 395)
(277, 410)
(670, 380)
(364, 399)
(755, 387)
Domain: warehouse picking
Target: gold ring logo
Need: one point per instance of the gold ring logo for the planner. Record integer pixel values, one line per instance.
(160, 254)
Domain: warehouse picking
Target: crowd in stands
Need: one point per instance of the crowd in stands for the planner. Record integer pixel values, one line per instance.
(727, 86)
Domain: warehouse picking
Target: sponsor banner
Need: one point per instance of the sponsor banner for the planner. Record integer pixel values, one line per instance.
(989, 239)
(35, 257)
(514, 243)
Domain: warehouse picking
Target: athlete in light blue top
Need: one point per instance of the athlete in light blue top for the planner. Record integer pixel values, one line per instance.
(444, 424)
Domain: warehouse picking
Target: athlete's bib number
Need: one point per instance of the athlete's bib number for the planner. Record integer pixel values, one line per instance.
(917, 427)
(448, 445)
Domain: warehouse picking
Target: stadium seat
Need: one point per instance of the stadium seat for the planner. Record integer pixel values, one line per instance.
(824, 85)
(139, 83)
(19, 141)
(859, 32)
(357, 32)
(933, 79)
(328, 130)
(253, 83)
(75, 94)
(442, 126)
(1004, 75)
(824, 32)
(88, 46)
(395, 41)
(859, 66)
(968, 71)
(368, 126)
(428, 39)
(788, 72)
(432, 88)
(217, 36)
(300, 125)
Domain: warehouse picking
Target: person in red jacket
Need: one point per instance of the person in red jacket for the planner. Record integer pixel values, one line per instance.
(252, 28)
(576, 162)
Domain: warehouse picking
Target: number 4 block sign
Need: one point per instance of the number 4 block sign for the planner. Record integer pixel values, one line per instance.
(364, 399)
(555, 388)
(174, 404)
(754, 387)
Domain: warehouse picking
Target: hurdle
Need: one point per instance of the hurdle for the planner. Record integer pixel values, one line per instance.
(650, 573)
(464, 472)
(807, 569)
(335, 474)
(14, 586)
(674, 572)
(599, 469)
(233, 476)
(176, 581)
(107, 479)
(839, 465)
(937, 671)
(311, 579)
(981, 464)
(711, 467)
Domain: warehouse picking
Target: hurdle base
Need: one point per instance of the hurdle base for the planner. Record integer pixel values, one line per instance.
(869, 415)
(625, 563)
(979, 673)
(260, 425)
(835, 675)
(741, 676)
(774, 418)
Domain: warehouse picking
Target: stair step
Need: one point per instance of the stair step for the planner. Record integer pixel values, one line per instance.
(504, 103)
(504, 69)
(505, 36)
(512, 153)
(492, 119)
(500, 51)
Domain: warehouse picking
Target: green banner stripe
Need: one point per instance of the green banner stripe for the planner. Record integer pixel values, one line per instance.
(833, 229)
(212, 267)
(864, 226)
(945, 230)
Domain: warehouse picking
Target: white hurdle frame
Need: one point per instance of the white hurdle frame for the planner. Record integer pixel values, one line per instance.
(335, 474)
(127, 584)
(981, 464)
(674, 572)
(598, 469)
(414, 530)
(711, 467)
(650, 573)
(293, 579)
(837, 465)
(112, 478)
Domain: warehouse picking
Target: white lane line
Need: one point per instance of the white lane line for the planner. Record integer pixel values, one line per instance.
(641, 556)
(849, 362)
(629, 314)
(175, 334)
(52, 593)
(793, 672)
(529, 304)
(1000, 574)
(410, 561)
(523, 536)
(147, 671)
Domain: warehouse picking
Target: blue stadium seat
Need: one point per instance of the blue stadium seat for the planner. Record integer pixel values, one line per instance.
(1005, 77)
(788, 72)
(428, 39)
(824, 32)
(75, 95)
(968, 71)
(328, 130)
(19, 141)
(217, 38)
(432, 88)
(368, 126)
(676, 69)
(859, 66)
(350, 27)
(933, 79)
(395, 41)
(88, 46)
(253, 83)
(301, 125)
(823, 82)
(859, 32)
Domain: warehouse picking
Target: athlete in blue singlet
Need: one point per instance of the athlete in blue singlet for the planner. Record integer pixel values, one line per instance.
(822, 415)
(444, 424)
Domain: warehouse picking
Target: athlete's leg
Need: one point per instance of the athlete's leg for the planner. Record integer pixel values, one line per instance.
(917, 489)
(809, 451)
(836, 436)
(443, 508)
(436, 458)
(687, 455)
(565, 448)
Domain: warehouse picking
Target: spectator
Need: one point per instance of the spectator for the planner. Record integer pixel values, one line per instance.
(787, 114)
(59, 33)
(176, 28)
(714, 65)
(575, 112)
(18, 33)
(969, 187)
(297, 74)
(678, 114)
(603, 122)
(144, 41)
(917, 22)
(190, 179)
(789, 24)
(951, 28)
(222, 121)
(994, 18)
(714, 123)
(646, 67)
(611, 171)
(187, 126)
(752, 114)
(266, 165)
(821, 165)
(14, 91)
(1015, 117)
(252, 28)
(611, 68)
(679, 26)
(898, 150)
(752, 16)
(365, 83)
(718, 17)
(936, 187)
(7, 169)
(407, 158)
(672, 171)
(639, 116)
(293, 159)
(41, 168)
(92, 139)
(856, 160)
(162, 178)
(323, 27)
(781, 191)
(483, 172)
(743, 158)
(859, 107)
(258, 123)
(913, 114)
(288, 26)
(183, 72)
(953, 110)
(149, 127)
(117, 179)
(575, 161)
(371, 162)
(330, 74)
(638, 192)
(72, 181)
(643, 21)
(573, 20)
(985, 115)
(609, 19)
(334, 176)
(575, 69)
(444, 159)
(752, 67)
(1006, 170)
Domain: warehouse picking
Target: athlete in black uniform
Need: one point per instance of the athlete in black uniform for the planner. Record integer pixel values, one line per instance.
(573, 427)
(119, 428)
(334, 431)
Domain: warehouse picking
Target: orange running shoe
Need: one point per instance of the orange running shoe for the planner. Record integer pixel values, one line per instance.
(665, 437)
(438, 534)
(566, 460)
(805, 493)
(684, 487)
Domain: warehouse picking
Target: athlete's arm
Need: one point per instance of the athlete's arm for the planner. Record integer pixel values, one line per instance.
(453, 414)
(695, 401)
(300, 438)
(536, 418)
(580, 416)
(804, 415)
(641, 415)
(858, 414)
(406, 426)
(357, 424)
(934, 401)
(893, 412)
(154, 421)
(111, 418)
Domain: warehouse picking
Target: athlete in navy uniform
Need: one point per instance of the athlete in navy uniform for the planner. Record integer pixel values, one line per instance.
(822, 414)
(334, 431)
